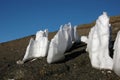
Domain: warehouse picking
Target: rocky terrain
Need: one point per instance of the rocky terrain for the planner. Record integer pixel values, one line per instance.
(76, 66)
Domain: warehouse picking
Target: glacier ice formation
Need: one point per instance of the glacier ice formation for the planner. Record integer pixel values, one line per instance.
(116, 56)
(98, 43)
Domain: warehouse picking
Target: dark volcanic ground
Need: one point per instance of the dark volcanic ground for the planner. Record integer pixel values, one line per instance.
(76, 66)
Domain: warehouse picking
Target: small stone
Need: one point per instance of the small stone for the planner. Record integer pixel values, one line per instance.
(19, 62)
(33, 60)
(11, 79)
(109, 72)
(103, 72)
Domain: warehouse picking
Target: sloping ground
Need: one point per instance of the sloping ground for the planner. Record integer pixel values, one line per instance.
(76, 66)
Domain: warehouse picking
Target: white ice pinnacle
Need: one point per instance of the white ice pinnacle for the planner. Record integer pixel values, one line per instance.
(98, 43)
(116, 56)
(38, 47)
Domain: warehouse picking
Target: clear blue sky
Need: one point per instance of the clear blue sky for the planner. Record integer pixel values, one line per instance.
(20, 18)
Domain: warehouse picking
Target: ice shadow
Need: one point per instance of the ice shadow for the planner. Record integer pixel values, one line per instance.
(75, 46)
(76, 50)
(111, 50)
(74, 55)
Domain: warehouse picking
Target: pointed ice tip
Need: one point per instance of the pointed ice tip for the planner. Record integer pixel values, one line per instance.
(69, 23)
(75, 26)
(105, 13)
(61, 27)
(46, 30)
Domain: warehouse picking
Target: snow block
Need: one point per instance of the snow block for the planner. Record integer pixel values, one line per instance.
(84, 39)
